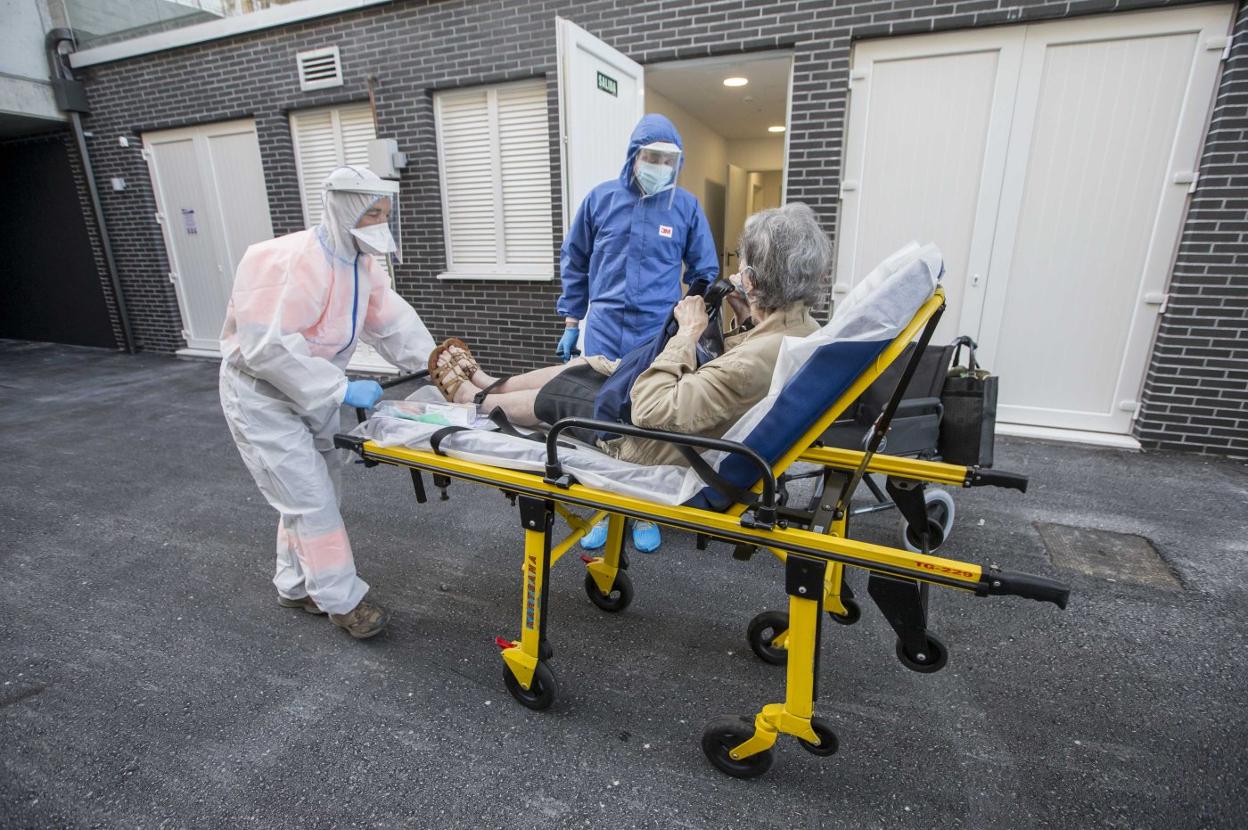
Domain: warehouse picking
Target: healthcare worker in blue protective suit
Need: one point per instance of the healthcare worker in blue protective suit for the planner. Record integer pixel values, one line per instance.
(622, 261)
(300, 305)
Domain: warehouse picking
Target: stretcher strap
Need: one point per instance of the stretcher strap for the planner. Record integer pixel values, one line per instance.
(499, 418)
(435, 440)
(708, 474)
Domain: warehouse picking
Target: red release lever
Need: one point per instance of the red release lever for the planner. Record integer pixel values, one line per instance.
(503, 643)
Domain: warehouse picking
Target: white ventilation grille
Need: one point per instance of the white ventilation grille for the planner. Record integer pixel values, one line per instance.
(319, 68)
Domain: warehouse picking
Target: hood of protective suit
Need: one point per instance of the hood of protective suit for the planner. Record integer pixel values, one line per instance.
(650, 129)
(343, 211)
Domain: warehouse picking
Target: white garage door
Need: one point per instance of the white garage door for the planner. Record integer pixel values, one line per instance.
(1051, 162)
(211, 206)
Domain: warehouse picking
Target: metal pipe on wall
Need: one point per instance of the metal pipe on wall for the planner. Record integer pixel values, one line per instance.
(71, 98)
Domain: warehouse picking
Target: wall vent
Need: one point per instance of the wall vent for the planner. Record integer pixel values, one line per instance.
(319, 68)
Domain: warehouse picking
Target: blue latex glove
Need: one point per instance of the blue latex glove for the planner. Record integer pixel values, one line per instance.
(567, 344)
(362, 394)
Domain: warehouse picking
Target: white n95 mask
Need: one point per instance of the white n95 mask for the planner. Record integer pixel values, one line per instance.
(374, 239)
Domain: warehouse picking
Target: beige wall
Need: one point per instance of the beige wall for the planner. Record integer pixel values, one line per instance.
(706, 152)
(757, 153)
(763, 191)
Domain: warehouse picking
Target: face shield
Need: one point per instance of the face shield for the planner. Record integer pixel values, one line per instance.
(362, 211)
(657, 168)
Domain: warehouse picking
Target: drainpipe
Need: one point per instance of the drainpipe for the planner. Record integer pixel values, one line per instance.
(71, 98)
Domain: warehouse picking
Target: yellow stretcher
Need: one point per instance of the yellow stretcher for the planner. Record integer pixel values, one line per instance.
(812, 544)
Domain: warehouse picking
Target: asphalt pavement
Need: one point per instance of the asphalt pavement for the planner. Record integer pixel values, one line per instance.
(149, 678)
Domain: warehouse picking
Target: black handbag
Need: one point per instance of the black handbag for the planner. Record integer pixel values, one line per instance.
(969, 398)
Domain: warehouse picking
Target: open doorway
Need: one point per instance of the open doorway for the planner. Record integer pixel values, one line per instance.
(734, 135)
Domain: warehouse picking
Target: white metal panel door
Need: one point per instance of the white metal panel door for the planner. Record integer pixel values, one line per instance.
(1105, 137)
(929, 120)
(601, 99)
(239, 196)
(1051, 163)
(211, 204)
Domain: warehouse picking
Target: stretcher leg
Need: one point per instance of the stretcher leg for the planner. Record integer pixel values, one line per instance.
(768, 633)
(606, 583)
(742, 750)
(530, 680)
(904, 604)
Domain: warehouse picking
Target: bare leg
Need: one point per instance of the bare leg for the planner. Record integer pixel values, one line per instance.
(516, 396)
(535, 379)
(529, 380)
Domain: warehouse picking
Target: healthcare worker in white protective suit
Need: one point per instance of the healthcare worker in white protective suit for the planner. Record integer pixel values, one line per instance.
(300, 304)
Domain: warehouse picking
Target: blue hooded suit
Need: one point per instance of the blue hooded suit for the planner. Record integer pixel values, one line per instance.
(622, 255)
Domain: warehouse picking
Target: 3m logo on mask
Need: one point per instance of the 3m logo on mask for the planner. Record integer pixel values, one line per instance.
(665, 230)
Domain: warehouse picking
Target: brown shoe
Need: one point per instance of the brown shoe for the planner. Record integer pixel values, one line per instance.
(364, 621)
(305, 603)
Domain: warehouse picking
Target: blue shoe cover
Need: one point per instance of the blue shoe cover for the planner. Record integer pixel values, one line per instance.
(596, 538)
(646, 537)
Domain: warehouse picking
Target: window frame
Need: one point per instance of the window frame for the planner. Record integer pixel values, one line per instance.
(500, 270)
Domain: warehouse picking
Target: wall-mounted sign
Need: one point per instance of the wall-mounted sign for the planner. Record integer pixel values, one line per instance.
(608, 85)
(188, 219)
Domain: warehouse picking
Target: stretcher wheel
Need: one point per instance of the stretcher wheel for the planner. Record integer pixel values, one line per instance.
(852, 613)
(931, 659)
(541, 692)
(828, 743)
(621, 595)
(940, 513)
(718, 739)
(764, 628)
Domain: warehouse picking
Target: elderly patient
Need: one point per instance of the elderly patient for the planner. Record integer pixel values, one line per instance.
(784, 256)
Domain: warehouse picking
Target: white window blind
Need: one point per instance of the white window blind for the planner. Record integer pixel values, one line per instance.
(325, 139)
(494, 155)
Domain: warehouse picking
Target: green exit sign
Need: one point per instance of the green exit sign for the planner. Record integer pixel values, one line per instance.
(608, 85)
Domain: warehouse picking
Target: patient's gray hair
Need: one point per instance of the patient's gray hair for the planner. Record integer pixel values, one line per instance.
(789, 254)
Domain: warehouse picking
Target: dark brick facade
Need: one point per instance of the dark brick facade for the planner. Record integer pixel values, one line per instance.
(415, 48)
(1196, 391)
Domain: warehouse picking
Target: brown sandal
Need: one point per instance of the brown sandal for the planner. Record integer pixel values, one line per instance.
(464, 357)
(449, 376)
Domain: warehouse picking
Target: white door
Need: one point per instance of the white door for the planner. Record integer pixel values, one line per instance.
(601, 99)
(1105, 138)
(1050, 162)
(734, 218)
(929, 120)
(211, 205)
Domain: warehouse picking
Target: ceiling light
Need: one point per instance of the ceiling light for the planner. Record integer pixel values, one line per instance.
(775, 129)
(736, 81)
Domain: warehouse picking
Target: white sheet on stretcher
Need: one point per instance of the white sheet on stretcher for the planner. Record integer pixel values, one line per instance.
(878, 308)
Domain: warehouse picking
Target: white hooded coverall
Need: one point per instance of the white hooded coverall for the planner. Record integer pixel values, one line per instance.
(299, 305)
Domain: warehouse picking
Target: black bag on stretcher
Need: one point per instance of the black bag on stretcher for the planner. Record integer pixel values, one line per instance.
(969, 398)
(614, 399)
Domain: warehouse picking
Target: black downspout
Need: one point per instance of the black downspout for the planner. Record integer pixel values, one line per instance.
(71, 97)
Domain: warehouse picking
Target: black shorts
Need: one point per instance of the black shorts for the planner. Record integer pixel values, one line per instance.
(570, 394)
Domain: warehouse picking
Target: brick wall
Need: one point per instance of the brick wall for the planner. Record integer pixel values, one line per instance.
(1196, 391)
(415, 48)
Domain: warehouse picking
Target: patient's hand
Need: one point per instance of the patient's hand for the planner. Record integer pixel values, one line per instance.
(691, 315)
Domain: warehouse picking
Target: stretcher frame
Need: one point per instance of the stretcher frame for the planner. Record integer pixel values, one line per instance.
(814, 557)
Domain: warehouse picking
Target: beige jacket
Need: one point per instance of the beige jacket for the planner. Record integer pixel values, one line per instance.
(675, 396)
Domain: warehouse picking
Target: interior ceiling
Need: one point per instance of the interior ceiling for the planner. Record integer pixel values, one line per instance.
(697, 86)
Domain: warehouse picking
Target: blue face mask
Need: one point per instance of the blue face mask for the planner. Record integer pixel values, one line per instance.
(653, 177)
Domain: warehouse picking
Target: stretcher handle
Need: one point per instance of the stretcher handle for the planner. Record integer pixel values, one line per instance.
(361, 414)
(1040, 588)
(766, 505)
